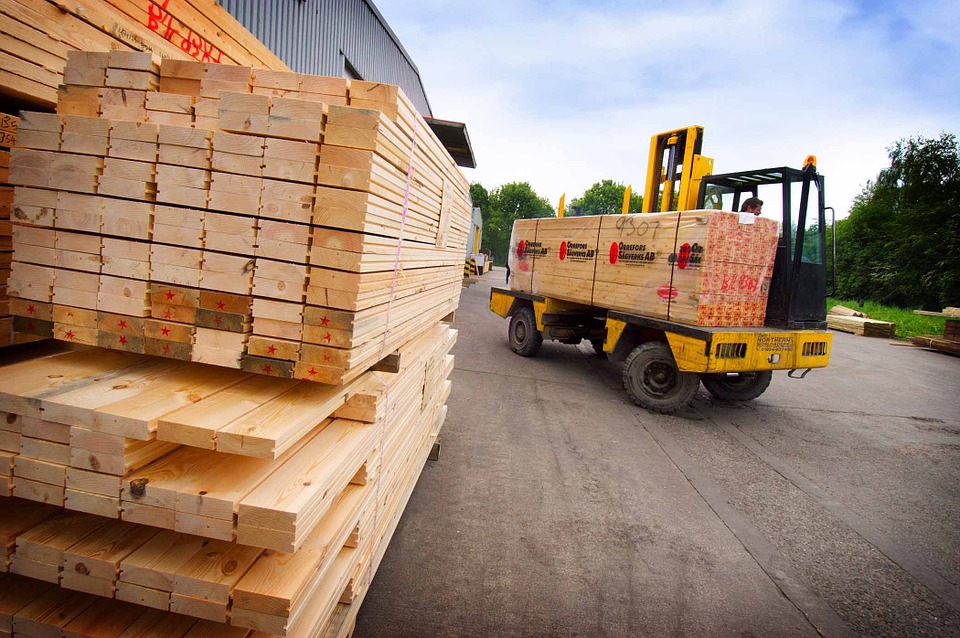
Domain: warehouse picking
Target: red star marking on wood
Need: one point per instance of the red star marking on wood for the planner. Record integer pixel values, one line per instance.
(170, 295)
(221, 305)
(30, 326)
(326, 357)
(166, 348)
(324, 321)
(268, 369)
(312, 372)
(70, 335)
(123, 340)
(167, 314)
(122, 324)
(217, 320)
(31, 309)
(166, 331)
(328, 338)
(272, 349)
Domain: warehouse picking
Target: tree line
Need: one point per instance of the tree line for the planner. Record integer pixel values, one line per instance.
(899, 245)
(505, 204)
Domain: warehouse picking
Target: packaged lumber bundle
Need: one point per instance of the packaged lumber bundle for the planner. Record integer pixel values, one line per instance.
(311, 521)
(286, 236)
(700, 267)
(36, 37)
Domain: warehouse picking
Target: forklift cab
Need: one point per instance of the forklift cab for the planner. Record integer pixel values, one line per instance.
(797, 297)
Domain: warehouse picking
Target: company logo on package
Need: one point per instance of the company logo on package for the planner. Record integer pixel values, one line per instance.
(530, 249)
(631, 253)
(667, 292)
(576, 251)
(689, 255)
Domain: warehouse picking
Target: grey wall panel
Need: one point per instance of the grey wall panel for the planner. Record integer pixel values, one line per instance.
(314, 36)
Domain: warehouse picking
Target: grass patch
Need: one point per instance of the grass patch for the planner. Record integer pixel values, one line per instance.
(908, 324)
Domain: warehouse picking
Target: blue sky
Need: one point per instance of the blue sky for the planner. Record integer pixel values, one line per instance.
(563, 94)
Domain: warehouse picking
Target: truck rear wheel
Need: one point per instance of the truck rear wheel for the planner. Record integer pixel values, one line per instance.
(652, 380)
(525, 339)
(744, 386)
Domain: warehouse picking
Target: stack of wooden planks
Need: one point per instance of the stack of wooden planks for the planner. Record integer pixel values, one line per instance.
(950, 340)
(36, 37)
(288, 236)
(849, 320)
(700, 267)
(214, 493)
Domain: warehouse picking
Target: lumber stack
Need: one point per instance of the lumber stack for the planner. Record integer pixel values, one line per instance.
(701, 267)
(861, 326)
(950, 340)
(36, 36)
(288, 236)
(281, 534)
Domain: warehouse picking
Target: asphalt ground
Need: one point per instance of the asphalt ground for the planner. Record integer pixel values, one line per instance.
(828, 506)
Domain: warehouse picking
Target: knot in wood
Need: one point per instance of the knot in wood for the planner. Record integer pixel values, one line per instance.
(121, 386)
(82, 569)
(94, 463)
(11, 418)
(229, 567)
(138, 487)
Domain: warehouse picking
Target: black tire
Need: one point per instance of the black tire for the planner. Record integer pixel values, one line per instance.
(652, 380)
(598, 347)
(524, 337)
(741, 387)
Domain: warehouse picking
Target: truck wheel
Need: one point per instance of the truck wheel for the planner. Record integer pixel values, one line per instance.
(525, 339)
(652, 380)
(737, 387)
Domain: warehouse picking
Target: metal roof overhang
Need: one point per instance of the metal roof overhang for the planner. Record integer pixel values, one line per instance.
(453, 136)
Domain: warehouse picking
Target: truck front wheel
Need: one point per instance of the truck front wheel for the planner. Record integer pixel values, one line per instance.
(525, 339)
(652, 380)
(745, 386)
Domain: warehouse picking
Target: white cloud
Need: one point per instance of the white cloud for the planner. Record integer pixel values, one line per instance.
(564, 94)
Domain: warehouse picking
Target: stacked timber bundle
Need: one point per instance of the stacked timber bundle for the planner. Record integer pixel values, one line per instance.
(700, 267)
(855, 322)
(950, 340)
(282, 233)
(138, 499)
(36, 36)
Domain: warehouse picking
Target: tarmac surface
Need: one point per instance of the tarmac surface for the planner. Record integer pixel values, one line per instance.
(829, 506)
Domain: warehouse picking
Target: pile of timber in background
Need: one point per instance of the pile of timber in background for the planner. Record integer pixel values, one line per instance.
(282, 233)
(136, 499)
(701, 267)
(853, 321)
(950, 340)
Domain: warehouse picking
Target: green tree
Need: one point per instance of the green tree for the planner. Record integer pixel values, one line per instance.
(481, 199)
(507, 203)
(901, 243)
(603, 198)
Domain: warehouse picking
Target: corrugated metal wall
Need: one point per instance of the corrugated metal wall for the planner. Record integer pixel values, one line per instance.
(314, 36)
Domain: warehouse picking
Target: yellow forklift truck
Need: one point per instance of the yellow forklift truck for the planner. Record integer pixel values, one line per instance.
(666, 361)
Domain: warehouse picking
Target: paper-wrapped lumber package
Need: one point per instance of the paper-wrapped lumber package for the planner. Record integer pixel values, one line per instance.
(700, 267)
